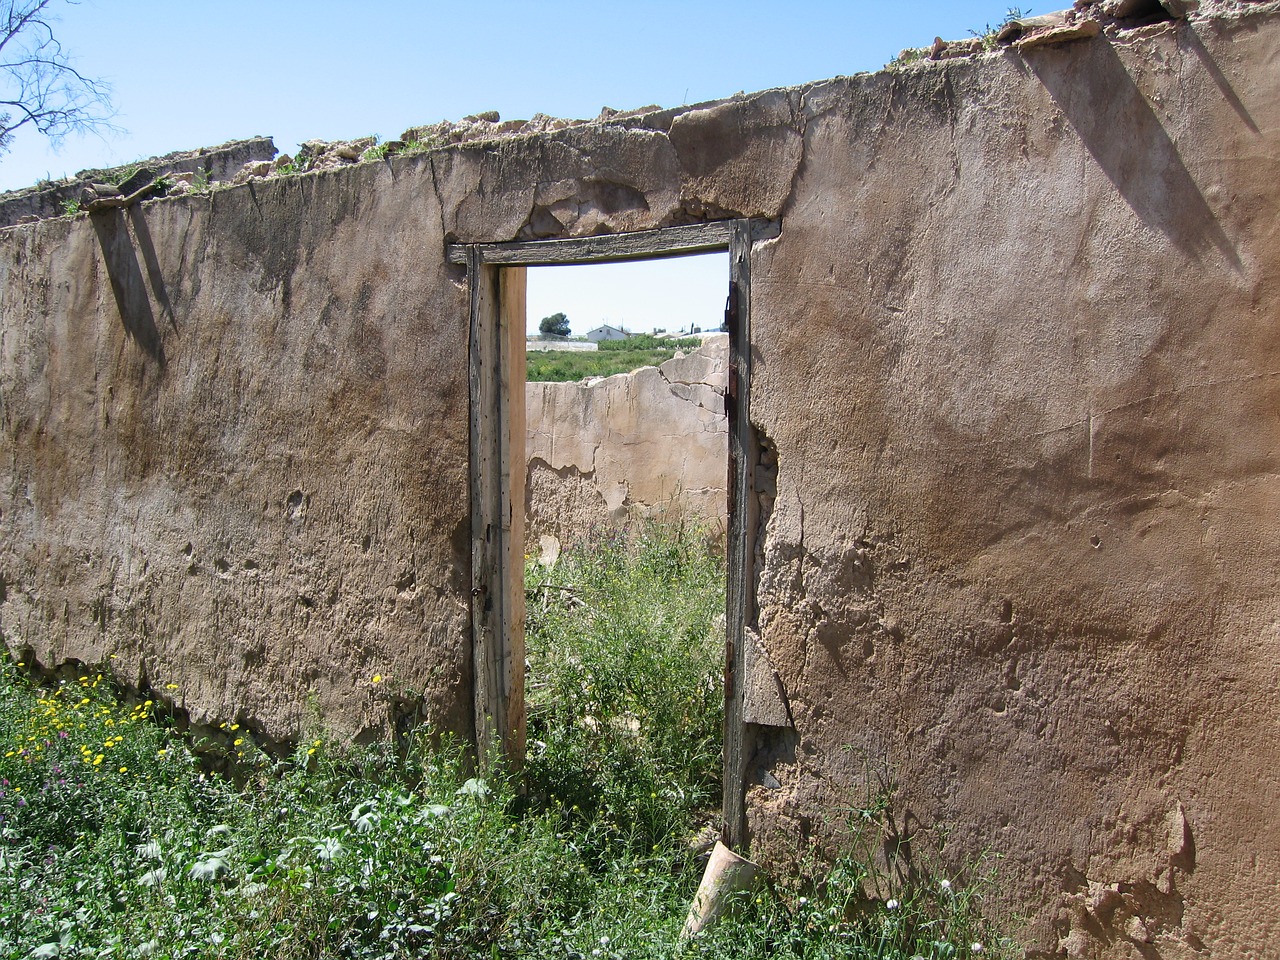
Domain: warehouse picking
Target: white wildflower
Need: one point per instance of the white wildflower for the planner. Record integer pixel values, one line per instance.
(330, 848)
(210, 866)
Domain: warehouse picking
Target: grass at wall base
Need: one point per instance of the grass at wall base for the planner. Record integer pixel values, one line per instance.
(116, 841)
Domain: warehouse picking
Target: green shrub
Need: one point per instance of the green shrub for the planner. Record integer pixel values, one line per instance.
(379, 151)
(115, 841)
(647, 341)
(625, 687)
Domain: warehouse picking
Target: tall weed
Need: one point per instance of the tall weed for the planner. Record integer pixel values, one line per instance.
(625, 687)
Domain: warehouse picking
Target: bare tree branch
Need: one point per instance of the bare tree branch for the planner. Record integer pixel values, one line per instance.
(39, 85)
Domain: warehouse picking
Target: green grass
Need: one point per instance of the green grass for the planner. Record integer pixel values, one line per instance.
(563, 366)
(613, 356)
(647, 341)
(117, 841)
(625, 690)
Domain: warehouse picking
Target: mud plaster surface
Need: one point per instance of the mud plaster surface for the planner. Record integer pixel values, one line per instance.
(220, 469)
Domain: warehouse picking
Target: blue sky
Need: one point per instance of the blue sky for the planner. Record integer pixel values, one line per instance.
(639, 297)
(186, 74)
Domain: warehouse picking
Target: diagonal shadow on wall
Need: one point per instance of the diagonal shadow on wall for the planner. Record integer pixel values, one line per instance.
(1130, 144)
(1196, 46)
(127, 282)
(142, 234)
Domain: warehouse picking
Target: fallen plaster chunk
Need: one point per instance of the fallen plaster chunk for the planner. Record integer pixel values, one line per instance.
(726, 874)
(1060, 27)
(1066, 33)
(1017, 29)
(118, 200)
(950, 49)
(764, 700)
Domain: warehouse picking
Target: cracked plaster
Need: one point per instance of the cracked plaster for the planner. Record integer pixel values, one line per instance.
(651, 443)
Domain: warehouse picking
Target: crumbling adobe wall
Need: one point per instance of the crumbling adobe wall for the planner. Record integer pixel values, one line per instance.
(1015, 378)
(1018, 365)
(220, 470)
(653, 443)
(47, 199)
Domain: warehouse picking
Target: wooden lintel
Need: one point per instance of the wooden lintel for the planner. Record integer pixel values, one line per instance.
(685, 240)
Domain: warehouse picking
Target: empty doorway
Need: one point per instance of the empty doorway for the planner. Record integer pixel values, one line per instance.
(604, 452)
(497, 278)
(627, 447)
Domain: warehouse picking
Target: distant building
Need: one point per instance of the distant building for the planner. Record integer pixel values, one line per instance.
(606, 332)
(535, 344)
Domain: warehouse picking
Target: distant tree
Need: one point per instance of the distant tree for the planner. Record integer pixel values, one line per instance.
(38, 84)
(556, 325)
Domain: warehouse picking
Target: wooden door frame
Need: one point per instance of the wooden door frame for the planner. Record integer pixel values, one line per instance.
(496, 279)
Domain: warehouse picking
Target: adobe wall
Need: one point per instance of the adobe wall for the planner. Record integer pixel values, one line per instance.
(1016, 380)
(1017, 356)
(653, 443)
(47, 199)
(220, 469)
